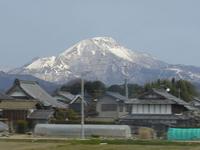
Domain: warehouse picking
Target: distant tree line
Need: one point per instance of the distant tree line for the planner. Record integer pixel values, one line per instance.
(179, 88)
(93, 88)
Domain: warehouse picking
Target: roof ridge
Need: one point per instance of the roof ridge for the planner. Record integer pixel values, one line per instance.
(18, 81)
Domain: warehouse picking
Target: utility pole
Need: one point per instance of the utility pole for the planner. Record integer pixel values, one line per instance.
(126, 88)
(179, 92)
(126, 81)
(82, 109)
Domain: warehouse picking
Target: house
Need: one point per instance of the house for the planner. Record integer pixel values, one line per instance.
(157, 109)
(66, 97)
(75, 104)
(111, 106)
(153, 108)
(13, 110)
(73, 101)
(40, 116)
(31, 90)
(2, 98)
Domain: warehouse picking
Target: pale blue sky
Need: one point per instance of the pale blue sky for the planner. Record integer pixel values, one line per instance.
(166, 29)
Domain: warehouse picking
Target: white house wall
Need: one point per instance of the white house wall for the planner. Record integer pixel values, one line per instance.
(151, 109)
(18, 94)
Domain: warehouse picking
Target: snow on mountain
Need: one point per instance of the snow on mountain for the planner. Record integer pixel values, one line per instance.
(102, 58)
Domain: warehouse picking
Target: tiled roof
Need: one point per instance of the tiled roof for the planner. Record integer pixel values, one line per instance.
(78, 97)
(175, 99)
(67, 95)
(116, 96)
(4, 96)
(166, 98)
(41, 114)
(36, 92)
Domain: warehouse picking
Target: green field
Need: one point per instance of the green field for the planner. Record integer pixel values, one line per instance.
(20, 145)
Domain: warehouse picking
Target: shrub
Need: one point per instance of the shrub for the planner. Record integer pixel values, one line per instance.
(22, 126)
(146, 133)
(95, 136)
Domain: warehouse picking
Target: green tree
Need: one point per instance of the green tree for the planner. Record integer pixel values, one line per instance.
(74, 88)
(133, 89)
(181, 88)
(95, 88)
(116, 88)
(62, 115)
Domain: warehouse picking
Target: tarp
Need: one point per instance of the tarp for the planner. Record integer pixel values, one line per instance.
(183, 134)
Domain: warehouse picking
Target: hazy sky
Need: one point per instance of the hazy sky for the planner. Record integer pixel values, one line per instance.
(166, 29)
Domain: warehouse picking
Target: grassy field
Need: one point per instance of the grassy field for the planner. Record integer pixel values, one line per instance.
(62, 146)
(20, 145)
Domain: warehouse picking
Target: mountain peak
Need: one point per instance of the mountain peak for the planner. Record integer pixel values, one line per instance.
(105, 60)
(105, 39)
(98, 41)
(100, 45)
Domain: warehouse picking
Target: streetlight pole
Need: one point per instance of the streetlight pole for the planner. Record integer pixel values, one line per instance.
(82, 109)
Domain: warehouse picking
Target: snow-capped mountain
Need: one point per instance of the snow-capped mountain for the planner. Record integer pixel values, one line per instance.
(102, 58)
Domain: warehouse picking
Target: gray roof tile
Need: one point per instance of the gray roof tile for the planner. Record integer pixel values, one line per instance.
(116, 95)
(35, 91)
(5, 97)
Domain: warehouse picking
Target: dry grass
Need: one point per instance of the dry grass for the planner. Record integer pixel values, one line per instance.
(64, 146)
(145, 133)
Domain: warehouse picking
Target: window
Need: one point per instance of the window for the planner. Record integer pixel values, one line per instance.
(121, 108)
(108, 107)
(128, 108)
(154, 109)
(143, 108)
(149, 108)
(160, 109)
(166, 109)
